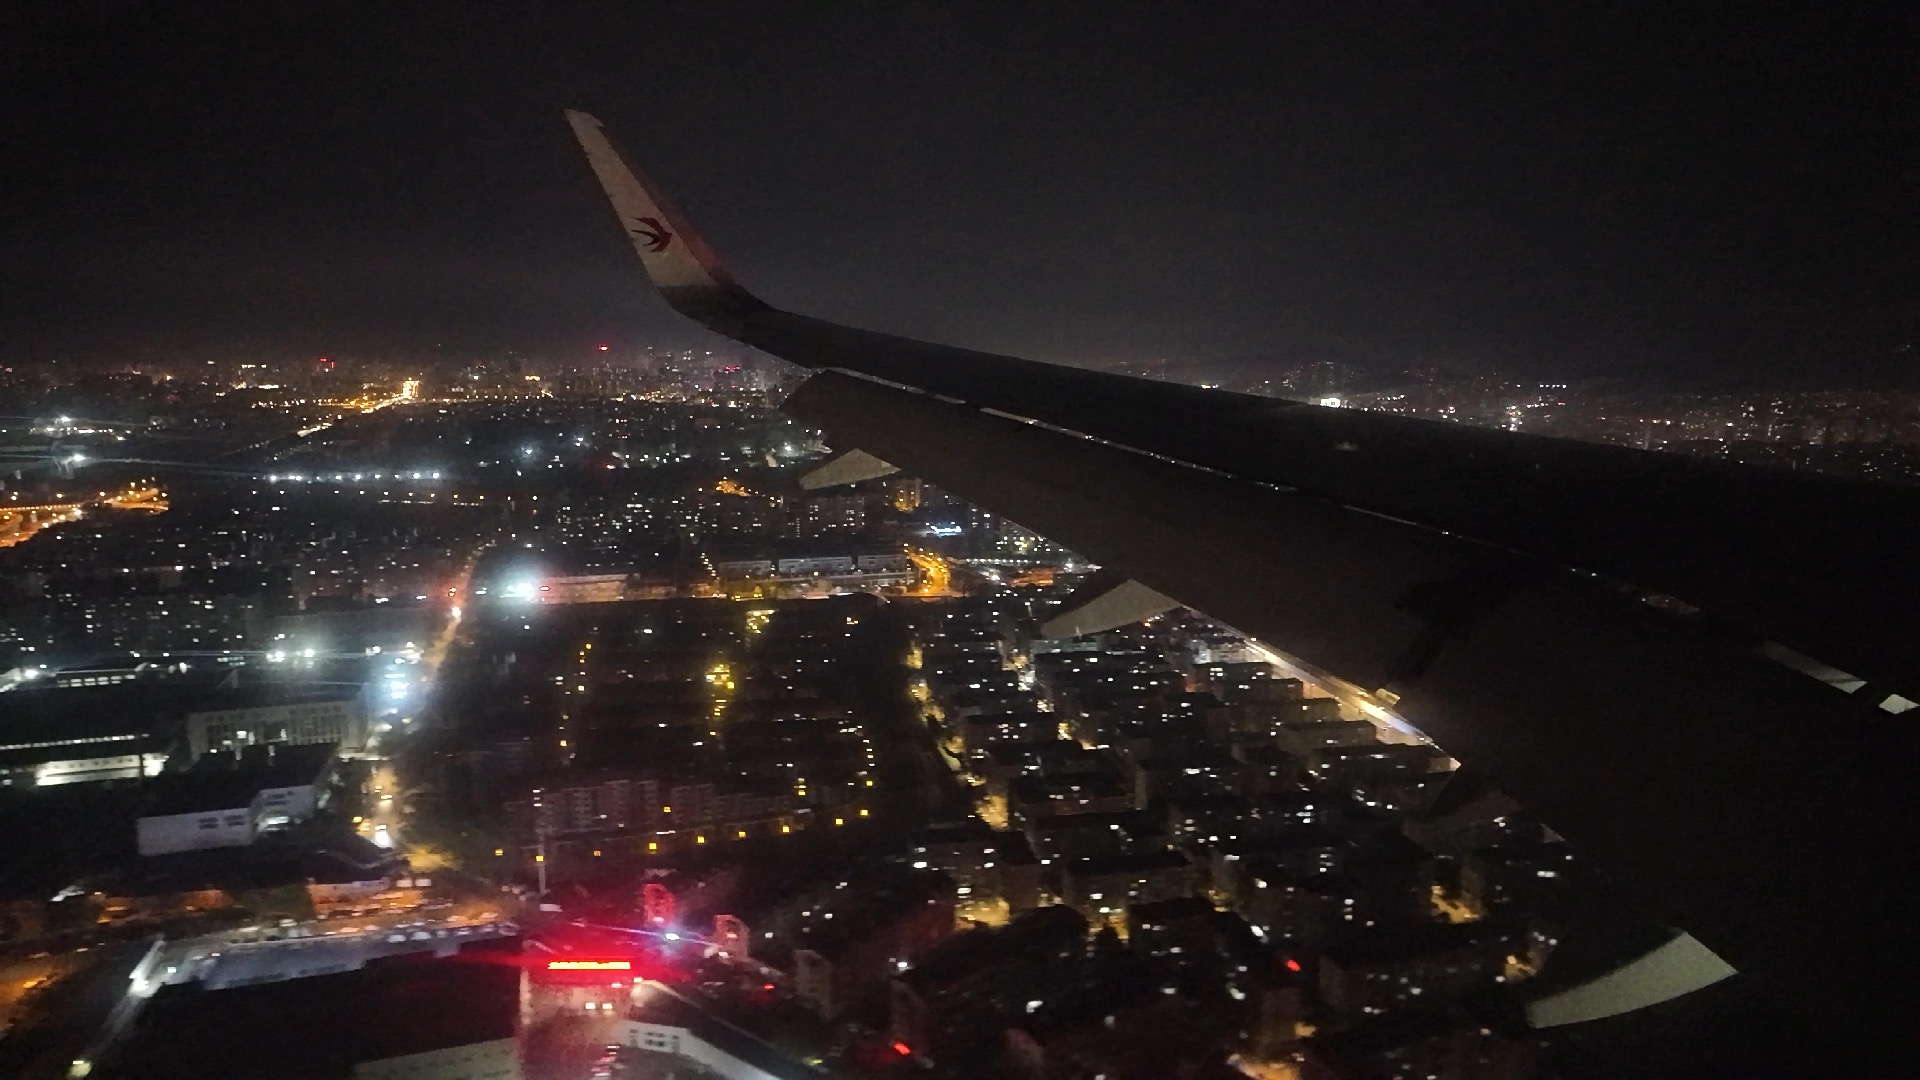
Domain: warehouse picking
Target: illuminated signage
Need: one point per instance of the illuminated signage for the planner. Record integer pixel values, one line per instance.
(588, 965)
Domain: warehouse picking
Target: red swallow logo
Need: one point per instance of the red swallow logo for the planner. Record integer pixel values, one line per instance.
(655, 235)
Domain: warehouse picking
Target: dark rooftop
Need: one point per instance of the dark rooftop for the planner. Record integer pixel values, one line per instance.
(390, 1008)
(226, 783)
(44, 712)
(269, 694)
(200, 792)
(1030, 936)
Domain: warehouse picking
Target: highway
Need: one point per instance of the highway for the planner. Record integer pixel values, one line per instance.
(19, 523)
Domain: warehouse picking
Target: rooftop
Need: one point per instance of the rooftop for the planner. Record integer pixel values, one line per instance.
(271, 694)
(44, 713)
(199, 793)
(659, 1004)
(1030, 936)
(389, 1008)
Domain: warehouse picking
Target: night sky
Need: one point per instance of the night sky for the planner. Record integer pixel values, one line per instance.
(1551, 189)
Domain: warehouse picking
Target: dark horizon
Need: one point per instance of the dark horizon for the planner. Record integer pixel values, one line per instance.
(1713, 200)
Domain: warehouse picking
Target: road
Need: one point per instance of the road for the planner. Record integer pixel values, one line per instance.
(436, 650)
(385, 821)
(18, 524)
(938, 575)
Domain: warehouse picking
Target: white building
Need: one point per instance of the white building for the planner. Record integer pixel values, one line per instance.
(190, 823)
(802, 565)
(236, 719)
(734, 569)
(883, 561)
(229, 805)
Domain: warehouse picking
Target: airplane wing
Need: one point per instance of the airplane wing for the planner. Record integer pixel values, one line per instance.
(1623, 641)
(680, 264)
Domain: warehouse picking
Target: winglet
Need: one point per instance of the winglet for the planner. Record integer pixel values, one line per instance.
(678, 261)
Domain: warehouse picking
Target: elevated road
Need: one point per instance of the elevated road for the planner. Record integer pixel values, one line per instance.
(20, 522)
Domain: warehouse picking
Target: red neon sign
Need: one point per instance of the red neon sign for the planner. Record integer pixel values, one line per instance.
(589, 965)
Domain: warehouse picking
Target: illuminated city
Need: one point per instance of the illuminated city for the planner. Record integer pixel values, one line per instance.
(1437, 604)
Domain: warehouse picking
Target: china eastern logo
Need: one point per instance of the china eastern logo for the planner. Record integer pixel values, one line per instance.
(650, 232)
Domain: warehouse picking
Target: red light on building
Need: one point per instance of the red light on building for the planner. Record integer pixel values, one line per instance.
(1292, 964)
(902, 1049)
(656, 904)
(603, 348)
(589, 965)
